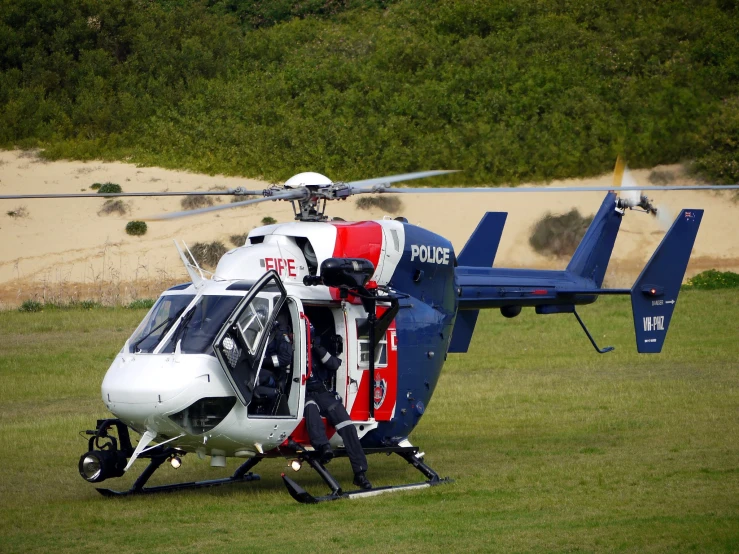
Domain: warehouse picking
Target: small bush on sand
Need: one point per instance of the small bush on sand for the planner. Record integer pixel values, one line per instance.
(207, 254)
(712, 280)
(268, 220)
(19, 212)
(111, 206)
(559, 235)
(96, 186)
(238, 240)
(196, 201)
(136, 228)
(389, 204)
(109, 188)
(241, 198)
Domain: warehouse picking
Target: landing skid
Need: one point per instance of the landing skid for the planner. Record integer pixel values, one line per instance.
(408, 453)
(241, 475)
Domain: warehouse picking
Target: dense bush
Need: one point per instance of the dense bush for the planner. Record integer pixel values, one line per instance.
(268, 220)
(559, 235)
(712, 279)
(136, 228)
(390, 204)
(207, 254)
(507, 91)
(109, 188)
(718, 160)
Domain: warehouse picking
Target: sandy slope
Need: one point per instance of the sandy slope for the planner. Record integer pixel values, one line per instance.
(63, 249)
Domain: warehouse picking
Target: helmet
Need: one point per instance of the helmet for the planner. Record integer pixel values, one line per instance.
(262, 314)
(283, 319)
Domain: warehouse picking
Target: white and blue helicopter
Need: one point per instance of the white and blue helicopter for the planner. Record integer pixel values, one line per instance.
(389, 298)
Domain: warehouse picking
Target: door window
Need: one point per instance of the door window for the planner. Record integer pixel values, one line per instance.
(242, 340)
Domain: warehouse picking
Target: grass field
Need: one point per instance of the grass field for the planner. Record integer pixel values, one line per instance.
(553, 447)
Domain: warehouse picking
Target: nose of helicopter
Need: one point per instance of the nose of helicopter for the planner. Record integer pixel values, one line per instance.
(144, 389)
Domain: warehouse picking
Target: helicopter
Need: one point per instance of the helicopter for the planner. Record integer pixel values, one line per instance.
(389, 298)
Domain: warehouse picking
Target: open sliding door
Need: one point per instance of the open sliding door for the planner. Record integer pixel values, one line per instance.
(240, 344)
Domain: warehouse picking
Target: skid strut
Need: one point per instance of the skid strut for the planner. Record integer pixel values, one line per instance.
(241, 475)
(408, 453)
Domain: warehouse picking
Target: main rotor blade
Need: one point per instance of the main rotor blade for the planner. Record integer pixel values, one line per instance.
(292, 195)
(238, 192)
(428, 190)
(397, 178)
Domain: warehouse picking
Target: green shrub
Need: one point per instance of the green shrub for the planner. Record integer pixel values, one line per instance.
(109, 188)
(390, 204)
(559, 235)
(712, 280)
(238, 240)
(268, 220)
(136, 228)
(96, 186)
(207, 254)
(31, 306)
(141, 303)
(195, 202)
(114, 206)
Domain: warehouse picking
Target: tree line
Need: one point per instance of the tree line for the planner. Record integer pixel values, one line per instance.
(509, 91)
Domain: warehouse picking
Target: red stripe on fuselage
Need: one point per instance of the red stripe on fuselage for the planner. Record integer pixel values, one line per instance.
(358, 240)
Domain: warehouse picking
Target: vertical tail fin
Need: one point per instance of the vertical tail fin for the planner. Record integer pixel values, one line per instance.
(594, 251)
(654, 294)
(479, 251)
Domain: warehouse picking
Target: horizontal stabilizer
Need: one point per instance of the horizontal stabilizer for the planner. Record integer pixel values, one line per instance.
(654, 294)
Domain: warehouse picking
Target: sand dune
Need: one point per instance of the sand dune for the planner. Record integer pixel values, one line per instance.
(64, 249)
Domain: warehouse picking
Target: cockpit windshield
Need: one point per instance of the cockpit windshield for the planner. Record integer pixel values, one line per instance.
(201, 324)
(158, 322)
(196, 331)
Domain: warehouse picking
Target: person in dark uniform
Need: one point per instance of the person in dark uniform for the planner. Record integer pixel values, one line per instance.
(278, 356)
(321, 400)
(276, 366)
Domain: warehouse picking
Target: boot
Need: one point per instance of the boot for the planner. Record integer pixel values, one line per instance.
(325, 454)
(360, 480)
